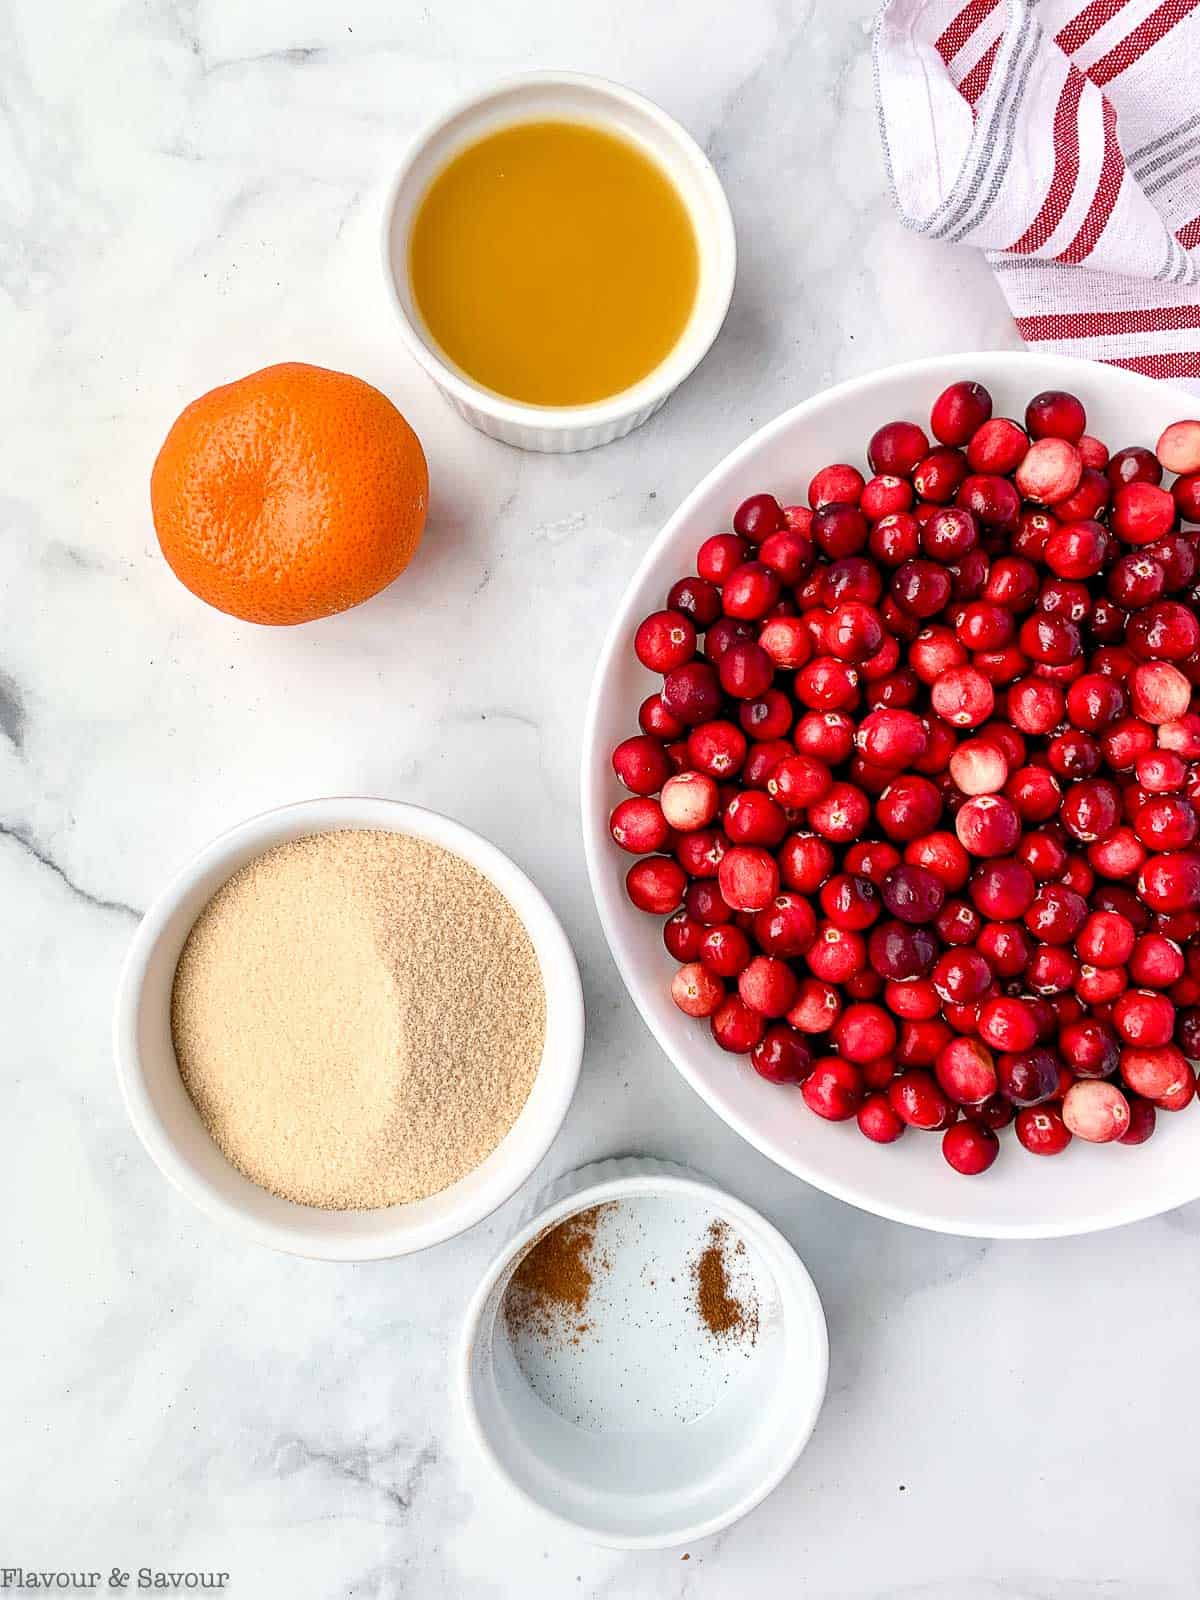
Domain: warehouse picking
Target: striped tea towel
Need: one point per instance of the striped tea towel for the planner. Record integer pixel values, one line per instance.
(1062, 138)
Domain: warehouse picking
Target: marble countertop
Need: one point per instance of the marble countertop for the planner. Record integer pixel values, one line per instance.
(192, 191)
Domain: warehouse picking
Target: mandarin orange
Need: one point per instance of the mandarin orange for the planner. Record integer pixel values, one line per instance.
(290, 494)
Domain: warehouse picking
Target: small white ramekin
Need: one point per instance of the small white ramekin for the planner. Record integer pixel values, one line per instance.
(673, 1484)
(169, 1125)
(566, 96)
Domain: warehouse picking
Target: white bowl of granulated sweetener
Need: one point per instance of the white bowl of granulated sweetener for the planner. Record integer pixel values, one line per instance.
(319, 1190)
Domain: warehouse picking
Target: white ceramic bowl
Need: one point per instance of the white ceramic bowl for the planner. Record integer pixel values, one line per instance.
(573, 97)
(169, 1126)
(1022, 1196)
(639, 1475)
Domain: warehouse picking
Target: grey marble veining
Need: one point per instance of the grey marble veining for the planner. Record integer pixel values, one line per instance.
(191, 191)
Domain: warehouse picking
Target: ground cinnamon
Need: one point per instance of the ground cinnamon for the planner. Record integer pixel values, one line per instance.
(723, 1314)
(548, 1293)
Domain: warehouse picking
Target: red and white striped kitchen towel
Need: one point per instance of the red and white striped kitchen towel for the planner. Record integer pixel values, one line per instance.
(1064, 140)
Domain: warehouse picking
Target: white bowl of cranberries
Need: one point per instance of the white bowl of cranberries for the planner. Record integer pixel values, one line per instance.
(892, 793)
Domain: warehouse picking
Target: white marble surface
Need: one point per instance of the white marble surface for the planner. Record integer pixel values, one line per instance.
(190, 190)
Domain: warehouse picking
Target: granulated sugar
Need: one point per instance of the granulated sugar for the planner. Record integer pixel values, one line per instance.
(358, 1018)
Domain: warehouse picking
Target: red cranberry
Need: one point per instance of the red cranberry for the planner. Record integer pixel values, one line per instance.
(897, 950)
(1055, 414)
(656, 884)
(746, 670)
(960, 411)
(750, 591)
(833, 1089)
(913, 893)
(692, 692)
(1143, 1018)
(993, 501)
(938, 476)
(836, 954)
(1134, 465)
(718, 748)
(748, 878)
(1008, 1025)
(638, 825)
(966, 1070)
(840, 530)
(758, 516)
(664, 640)
(969, 1147)
(697, 599)
(768, 986)
(1186, 494)
(918, 1100)
(1003, 890)
(1091, 809)
(839, 483)
(736, 1027)
(1028, 1077)
(850, 902)
(864, 1033)
(909, 807)
(725, 951)
(1142, 513)
(786, 926)
(656, 720)
(767, 717)
(641, 764)
(963, 697)
(988, 825)
(1042, 1130)
(1142, 1118)
(805, 861)
(719, 556)
(781, 1055)
(896, 448)
(1156, 961)
(1158, 1073)
(877, 1120)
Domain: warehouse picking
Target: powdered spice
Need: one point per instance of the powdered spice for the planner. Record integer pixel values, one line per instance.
(723, 1314)
(548, 1293)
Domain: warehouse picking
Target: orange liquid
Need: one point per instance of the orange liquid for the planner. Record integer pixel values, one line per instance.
(554, 263)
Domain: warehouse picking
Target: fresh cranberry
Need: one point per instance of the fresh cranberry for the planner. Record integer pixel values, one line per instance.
(864, 1033)
(719, 556)
(748, 878)
(1028, 1077)
(781, 1055)
(1135, 464)
(966, 1070)
(697, 599)
(1095, 1110)
(769, 716)
(1042, 1130)
(736, 1027)
(939, 475)
(840, 530)
(992, 500)
(1142, 1118)
(1142, 513)
(758, 516)
(896, 448)
(833, 1089)
(839, 483)
(969, 1147)
(959, 411)
(850, 902)
(919, 1101)
(1156, 961)
(696, 991)
(1158, 1072)
(897, 950)
(786, 926)
(656, 884)
(1055, 414)
(689, 800)
(692, 692)
(638, 825)
(877, 1120)
(641, 764)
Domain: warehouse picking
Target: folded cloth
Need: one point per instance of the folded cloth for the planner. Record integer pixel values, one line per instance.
(1064, 140)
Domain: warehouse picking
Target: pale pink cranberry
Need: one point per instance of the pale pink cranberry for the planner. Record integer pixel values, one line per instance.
(1093, 451)
(1161, 693)
(1095, 1110)
(838, 484)
(757, 517)
(1178, 447)
(1042, 1130)
(833, 1089)
(1182, 736)
(919, 1100)
(696, 991)
(978, 767)
(781, 1055)
(1142, 513)
(689, 801)
(656, 884)
(748, 878)
(785, 927)
(966, 1070)
(970, 1147)
(639, 826)
(1050, 471)
(736, 1027)
(641, 764)
(877, 1121)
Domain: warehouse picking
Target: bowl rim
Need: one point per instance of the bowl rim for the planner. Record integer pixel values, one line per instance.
(656, 1179)
(596, 838)
(337, 813)
(675, 367)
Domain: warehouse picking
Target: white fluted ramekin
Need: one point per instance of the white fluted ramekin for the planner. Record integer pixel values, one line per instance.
(574, 97)
(670, 1484)
(169, 1125)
